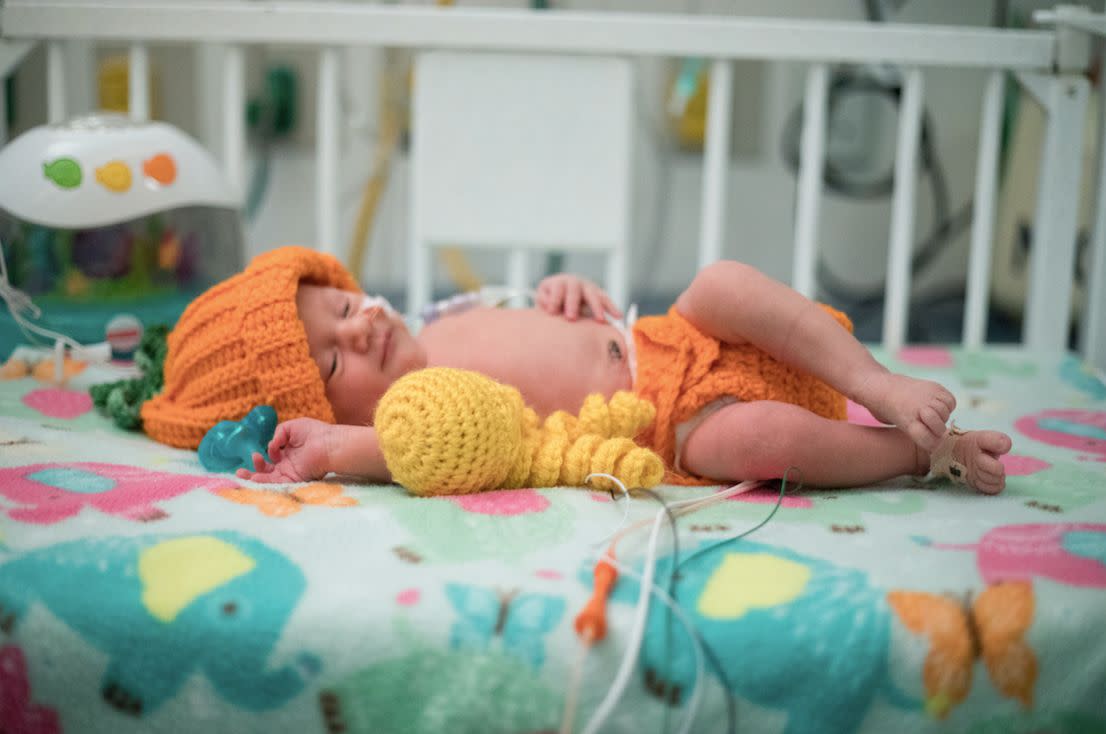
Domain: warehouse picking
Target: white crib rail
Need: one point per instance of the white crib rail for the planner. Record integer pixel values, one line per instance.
(1033, 55)
(1071, 21)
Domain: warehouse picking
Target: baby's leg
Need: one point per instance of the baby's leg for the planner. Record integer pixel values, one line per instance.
(762, 439)
(737, 304)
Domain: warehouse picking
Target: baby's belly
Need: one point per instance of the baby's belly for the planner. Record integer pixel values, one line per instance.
(555, 363)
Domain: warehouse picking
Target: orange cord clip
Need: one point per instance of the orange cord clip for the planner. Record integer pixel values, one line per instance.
(591, 622)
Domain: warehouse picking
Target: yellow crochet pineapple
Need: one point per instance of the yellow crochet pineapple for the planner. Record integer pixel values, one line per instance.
(452, 431)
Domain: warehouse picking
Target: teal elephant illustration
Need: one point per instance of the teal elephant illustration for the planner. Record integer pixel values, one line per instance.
(790, 632)
(432, 691)
(163, 607)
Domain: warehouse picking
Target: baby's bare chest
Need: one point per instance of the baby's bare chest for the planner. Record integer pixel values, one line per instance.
(554, 362)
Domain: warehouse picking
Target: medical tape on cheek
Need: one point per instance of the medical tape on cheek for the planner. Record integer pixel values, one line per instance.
(377, 302)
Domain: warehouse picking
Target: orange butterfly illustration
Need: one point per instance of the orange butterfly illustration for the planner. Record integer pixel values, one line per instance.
(282, 504)
(991, 627)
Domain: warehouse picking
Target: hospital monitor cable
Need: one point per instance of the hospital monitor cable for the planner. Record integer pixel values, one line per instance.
(591, 622)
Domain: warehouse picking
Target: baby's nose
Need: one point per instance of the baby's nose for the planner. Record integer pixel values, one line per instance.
(357, 330)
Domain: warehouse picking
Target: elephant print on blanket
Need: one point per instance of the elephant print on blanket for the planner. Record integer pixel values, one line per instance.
(813, 636)
(50, 493)
(1070, 553)
(163, 607)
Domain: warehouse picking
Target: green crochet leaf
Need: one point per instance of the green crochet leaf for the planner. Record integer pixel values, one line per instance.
(122, 400)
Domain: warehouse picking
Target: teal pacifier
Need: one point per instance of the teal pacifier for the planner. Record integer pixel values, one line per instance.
(230, 445)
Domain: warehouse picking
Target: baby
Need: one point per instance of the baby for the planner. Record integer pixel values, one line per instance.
(749, 377)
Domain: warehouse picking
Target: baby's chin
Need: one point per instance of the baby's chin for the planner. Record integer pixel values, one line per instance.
(410, 357)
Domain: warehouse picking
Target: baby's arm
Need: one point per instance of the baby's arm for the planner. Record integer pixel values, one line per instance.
(305, 449)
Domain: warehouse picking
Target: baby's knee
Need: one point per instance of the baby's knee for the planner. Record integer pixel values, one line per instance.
(712, 284)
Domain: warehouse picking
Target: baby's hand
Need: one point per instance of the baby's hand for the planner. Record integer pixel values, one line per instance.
(300, 451)
(572, 295)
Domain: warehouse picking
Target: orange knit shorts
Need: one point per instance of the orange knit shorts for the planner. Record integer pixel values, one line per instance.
(681, 371)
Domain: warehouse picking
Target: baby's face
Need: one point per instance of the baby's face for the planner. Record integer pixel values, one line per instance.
(359, 352)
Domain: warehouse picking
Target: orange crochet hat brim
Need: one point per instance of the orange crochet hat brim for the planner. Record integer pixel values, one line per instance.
(241, 344)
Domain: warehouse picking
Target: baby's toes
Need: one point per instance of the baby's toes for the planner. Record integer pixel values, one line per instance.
(933, 421)
(995, 443)
(988, 466)
(920, 434)
(946, 398)
(941, 408)
(990, 486)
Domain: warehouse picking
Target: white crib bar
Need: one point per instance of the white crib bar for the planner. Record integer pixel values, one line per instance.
(326, 152)
(1052, 252)
(897, 296)
(618, 277)
(138, 83)
(811, 164)
(55, 82)
(983, 217)
(518, 273)
(716, 163)
(234, 126)
(1093, 338)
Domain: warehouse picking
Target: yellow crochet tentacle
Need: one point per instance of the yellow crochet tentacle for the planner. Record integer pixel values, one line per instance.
(451, 431)
(624, 415)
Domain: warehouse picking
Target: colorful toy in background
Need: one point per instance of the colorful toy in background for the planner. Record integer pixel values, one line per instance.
(687, 103)
(111, 225)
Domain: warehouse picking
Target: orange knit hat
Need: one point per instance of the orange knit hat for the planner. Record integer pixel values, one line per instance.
(241, 344)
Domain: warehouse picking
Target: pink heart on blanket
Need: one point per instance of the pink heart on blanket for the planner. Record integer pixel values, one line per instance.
(408, 597)
(770, 497)
(58, 403)
(502, 502)
(926, 356)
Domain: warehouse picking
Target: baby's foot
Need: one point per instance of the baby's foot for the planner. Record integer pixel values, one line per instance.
(972, 458)
(918, 407)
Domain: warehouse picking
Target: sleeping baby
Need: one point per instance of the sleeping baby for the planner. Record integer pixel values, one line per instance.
(748, 377)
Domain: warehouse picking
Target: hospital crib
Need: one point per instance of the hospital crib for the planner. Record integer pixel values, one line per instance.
(373, 611)
(521, 208)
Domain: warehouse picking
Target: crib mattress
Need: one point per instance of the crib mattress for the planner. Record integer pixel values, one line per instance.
(140, 593)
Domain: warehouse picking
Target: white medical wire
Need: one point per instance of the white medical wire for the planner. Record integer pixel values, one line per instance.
(573, 696)
(700, 668)
(625, 506)
(637, 633)
(700, 671)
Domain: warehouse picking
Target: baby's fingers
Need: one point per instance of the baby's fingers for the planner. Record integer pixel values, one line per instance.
(554, 296)
(573, 296)
(598, 308)
(271, 477)
(280, 440)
